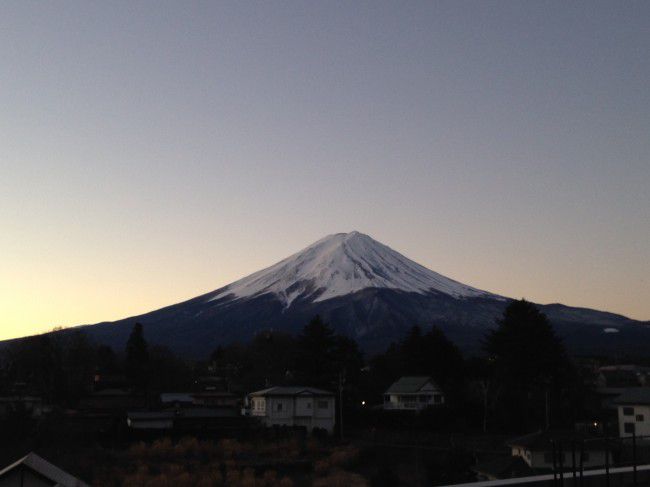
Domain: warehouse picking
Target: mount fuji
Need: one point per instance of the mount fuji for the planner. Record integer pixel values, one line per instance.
(365, 290)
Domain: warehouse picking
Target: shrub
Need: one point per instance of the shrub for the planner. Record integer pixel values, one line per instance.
(321, 467)
(340, 478)
(187, 447)
(230, 447)
(269, 478)
(162, 448)
(138, 450)
(344, 457)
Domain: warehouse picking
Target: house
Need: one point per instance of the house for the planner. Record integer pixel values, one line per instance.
(294, 406)
(613, 380)
(34, 471)
(537, 449)
(413, 394)
(634, 412)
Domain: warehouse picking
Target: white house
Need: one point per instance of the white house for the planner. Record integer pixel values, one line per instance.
(294, 406)
(536, 449)
(34, 471)
(634, 412)
(413, 394)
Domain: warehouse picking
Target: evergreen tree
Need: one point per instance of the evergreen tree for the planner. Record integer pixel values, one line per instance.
(316, 348)
(530, 365)
(137, 357)
(524, 347)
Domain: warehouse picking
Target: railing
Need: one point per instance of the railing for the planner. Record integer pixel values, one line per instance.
(617, 476)
(626, 462)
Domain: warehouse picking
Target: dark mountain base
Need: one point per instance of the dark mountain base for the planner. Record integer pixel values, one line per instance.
(373, 317)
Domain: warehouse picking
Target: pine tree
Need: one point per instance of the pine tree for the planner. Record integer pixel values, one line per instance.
(530, 365)
(137, 357)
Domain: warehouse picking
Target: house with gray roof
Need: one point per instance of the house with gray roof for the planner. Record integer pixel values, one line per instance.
(35, 471)
(294, 406)
(413, 393)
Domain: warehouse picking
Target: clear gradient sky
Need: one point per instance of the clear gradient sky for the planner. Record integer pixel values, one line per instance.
(153, 151)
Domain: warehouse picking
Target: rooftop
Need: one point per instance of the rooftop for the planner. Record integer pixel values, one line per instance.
(291, 391)
(46, 469)
(410, 384)
(634, 395)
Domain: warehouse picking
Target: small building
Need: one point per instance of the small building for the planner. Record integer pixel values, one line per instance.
(188, 420)
(34, 471)
(537, 449)
(634, 412)
(150, 420)
(413, 394)
(294, 406)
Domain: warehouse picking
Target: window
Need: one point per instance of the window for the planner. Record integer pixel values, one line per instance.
(323, 404)
(629, 428)
(424, 398)
(628, 411)
(585, 456)
(437, 398)
(308, 405)
(639, 417)
(278, 407)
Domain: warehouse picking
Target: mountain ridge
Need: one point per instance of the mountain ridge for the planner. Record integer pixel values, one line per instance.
(365, 290)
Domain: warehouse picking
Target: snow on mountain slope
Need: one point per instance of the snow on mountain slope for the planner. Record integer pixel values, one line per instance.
(342, 264)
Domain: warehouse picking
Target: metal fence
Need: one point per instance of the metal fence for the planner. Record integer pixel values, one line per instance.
(625, 462)
(620, 466)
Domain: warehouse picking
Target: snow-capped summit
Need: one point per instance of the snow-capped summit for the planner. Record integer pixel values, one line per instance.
(341, 264)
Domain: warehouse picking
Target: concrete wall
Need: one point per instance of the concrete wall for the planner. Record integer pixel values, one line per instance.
(642, 426)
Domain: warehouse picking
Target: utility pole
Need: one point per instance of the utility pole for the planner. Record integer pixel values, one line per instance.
(341, 382)
(547, 415)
